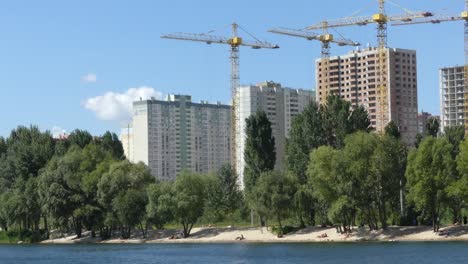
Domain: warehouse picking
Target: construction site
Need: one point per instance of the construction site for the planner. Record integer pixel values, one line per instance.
(383, 79)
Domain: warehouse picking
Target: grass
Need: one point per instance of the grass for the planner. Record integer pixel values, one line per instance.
(4, 238)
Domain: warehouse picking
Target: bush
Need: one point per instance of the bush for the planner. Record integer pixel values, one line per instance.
(286, 229)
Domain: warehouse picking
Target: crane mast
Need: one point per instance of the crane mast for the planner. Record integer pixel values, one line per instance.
(234, 41)
(381, 20)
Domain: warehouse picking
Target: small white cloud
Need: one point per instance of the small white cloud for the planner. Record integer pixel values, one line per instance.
(118, 106)
(89, 78)
(58, 132)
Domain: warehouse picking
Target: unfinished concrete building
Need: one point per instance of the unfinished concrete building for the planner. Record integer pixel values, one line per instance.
(355, 78)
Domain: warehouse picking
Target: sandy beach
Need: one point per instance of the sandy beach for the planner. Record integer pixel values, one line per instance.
(262, 235)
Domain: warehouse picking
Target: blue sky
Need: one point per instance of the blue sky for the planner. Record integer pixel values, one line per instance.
(48, 47)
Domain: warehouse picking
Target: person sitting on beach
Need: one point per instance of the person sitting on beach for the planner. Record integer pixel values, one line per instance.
(241, 237)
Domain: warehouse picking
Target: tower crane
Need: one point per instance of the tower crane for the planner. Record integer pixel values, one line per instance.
(447, 18)
(381, 19)
(325, 38)
(235, 41)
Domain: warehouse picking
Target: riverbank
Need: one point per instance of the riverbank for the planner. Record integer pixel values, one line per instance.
(262, 235)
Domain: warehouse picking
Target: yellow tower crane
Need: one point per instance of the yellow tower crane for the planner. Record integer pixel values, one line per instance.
(235, 41)
(381, 19)
(326, 39)
(447, 18)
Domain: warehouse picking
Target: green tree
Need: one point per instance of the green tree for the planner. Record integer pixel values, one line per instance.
(29, 150)
(388, 168)
(455, 135)
(3, 146)
(123, 177)
(392, 130)
(189, 195)
(458, 189)
(331, 186)
(339, 120)
(429, 173)
(129, 207)
(110, 141)
(260, 153)
(432, 127)
(80, 138)
(273, 193)
(161, 203)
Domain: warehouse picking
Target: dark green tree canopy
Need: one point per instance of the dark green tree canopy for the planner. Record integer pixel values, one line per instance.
(455, 135)
(392, 130)
(260, 153)
(432, 127)
(111, 142)
(80, 138)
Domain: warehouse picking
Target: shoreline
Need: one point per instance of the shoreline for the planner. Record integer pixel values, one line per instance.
(262, 236)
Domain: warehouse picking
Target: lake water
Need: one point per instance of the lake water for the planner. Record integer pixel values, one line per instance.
(420, 253)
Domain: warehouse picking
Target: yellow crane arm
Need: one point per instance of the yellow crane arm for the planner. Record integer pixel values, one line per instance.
(313, 36)
(434, 20)
(210, 39)
(364, 20)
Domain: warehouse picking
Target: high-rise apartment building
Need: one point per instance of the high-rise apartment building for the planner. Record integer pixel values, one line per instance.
(355, 77)
(280, 104)
(452, 96)
(176, 134)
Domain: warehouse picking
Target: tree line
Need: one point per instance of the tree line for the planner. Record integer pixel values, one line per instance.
(337, 173)
(85, 183)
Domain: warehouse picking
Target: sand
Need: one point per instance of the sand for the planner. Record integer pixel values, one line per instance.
(262, 235)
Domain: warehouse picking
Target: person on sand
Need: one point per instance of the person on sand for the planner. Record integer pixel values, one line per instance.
(241, 237)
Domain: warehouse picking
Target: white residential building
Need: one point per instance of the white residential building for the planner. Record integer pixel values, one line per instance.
(281, 106)
(176, 134)
(452, 96)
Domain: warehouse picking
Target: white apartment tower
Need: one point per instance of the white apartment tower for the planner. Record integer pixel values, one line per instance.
(176, 134)
(280, 104)
(452, 96)
(354, 77)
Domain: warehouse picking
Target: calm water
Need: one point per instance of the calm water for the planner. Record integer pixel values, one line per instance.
(238, 253)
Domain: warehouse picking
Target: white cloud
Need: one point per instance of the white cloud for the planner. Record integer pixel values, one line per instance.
(57, 132)
(118, 106)
(89, 78)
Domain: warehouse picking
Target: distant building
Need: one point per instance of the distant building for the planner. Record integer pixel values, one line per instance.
(176, 134)
(281, 105)
(354, 77)
(452, 96)
(126, 137)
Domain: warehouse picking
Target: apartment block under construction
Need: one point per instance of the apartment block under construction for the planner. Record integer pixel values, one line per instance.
(355, 77)
(452, 96)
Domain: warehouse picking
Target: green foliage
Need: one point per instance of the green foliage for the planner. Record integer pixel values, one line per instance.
(284, 230)
(429, 173)
(432, 127)
(363, 179)
(189, 198)
(3, 146)
(455, 135)
(260, 153)
(117, 191)
(160, 203)
(314, 127)
(80, 138)
(272, 195)
(111, 142)
(392, 130)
